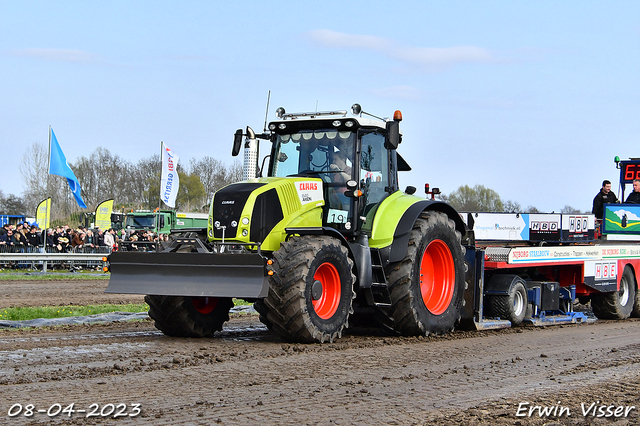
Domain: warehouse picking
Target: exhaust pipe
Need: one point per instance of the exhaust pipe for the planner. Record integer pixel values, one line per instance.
(250, 166)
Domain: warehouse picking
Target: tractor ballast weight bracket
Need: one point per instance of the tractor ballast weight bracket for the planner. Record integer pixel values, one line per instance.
(189, 274)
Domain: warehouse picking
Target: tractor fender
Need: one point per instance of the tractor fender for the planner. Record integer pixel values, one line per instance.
(360, 254)
(398, 249)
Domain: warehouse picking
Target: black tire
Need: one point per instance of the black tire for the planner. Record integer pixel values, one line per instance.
(617, 304)
(636, 305)
(512, 306)
(178, 316)
(439, 313)
(298, 264)
(262, 309)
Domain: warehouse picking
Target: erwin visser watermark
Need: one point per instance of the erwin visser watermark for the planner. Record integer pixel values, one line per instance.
(592, 409)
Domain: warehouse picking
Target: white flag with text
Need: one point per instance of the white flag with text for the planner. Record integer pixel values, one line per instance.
(170, 182)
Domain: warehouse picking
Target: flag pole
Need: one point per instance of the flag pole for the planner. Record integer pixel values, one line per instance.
(159, 200)
(49, 178)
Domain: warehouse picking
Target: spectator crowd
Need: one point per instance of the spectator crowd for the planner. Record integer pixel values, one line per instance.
(26, 237)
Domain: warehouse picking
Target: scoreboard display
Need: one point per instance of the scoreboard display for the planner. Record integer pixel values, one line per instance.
(629, 170)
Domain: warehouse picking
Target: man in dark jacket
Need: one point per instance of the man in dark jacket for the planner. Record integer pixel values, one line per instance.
(634, 197)
(605, 196)
(33, 237)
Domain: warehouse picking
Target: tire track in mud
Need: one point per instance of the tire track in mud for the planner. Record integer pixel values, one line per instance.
(249, 376)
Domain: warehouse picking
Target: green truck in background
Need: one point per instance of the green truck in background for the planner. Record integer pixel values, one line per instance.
(163, 221)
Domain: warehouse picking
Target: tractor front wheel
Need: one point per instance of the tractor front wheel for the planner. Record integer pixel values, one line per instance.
(184, 316)
(311, 290)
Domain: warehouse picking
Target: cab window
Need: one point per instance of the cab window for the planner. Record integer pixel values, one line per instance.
(374, 171)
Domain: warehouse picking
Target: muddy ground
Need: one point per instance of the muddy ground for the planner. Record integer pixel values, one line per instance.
(249, 376)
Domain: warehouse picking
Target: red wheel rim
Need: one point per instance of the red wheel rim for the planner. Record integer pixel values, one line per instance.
(437, 277)
(204, 305)
(328, 303)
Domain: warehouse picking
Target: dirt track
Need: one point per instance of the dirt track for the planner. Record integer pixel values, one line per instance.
(248, 376)
(60, 293)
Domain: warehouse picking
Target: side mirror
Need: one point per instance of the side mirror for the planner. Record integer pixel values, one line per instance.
(237, 142)
(393, 135)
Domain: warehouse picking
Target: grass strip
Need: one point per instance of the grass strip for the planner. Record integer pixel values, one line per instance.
(29, 313)
(50, 276)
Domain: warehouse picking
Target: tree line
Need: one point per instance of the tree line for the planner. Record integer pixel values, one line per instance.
(481, 199)
(136, 185)
(103, 175)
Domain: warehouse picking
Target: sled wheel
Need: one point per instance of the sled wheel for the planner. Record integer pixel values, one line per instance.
(511, 306)
(617, 304)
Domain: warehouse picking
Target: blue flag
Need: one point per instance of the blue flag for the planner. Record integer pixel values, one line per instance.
(58, 166)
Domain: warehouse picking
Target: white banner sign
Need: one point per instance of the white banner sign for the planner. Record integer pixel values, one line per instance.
(170, 182)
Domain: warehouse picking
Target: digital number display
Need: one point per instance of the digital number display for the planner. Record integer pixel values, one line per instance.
(629, 171)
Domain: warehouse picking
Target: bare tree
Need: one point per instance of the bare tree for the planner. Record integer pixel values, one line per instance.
(145, 177)
(511, 206)
(33, 168)
(103, 176)
(570, 210)
(234, 173)
(212, 173)
(132, 185)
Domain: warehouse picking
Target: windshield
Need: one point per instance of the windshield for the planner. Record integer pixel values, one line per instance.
(322, 151)
(139, 222)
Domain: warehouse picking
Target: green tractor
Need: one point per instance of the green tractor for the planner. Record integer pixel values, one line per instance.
(325, 239)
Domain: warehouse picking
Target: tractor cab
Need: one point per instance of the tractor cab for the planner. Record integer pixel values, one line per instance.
(354, 157)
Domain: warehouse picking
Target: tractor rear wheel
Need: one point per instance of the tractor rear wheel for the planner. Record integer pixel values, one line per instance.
(184, 316)
(311, 291)
(427, 286)
(617, 304)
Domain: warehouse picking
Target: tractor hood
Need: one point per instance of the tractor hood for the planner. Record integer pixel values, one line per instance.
(258, 210)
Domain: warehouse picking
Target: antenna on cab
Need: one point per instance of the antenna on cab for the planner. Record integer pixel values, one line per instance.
(266, 113)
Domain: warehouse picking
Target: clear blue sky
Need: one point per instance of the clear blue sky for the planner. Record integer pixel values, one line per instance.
(531, 99)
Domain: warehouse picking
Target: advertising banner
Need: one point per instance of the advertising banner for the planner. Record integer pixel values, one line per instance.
(170, 181)
(43, 213)
(103, 215)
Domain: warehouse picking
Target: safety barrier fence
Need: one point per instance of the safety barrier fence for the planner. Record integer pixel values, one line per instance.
(36, 258)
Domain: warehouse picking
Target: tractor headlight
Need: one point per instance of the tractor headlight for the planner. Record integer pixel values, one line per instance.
(245, 220)
(245, 232)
